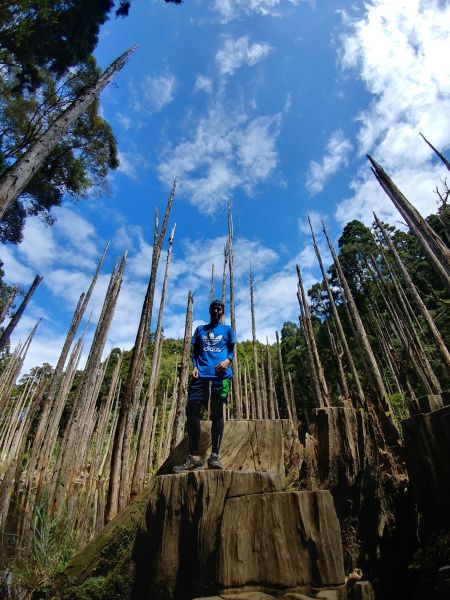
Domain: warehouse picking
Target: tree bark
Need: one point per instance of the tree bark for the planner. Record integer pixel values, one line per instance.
(434, 248)
(4, 338)
(178, 427)
(440, 344)
(13, 182)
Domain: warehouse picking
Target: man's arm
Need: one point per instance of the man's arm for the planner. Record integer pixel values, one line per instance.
(223, 366)
(194, 356)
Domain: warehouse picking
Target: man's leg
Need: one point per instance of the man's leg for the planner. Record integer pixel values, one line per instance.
(219, 395)
(198, 391)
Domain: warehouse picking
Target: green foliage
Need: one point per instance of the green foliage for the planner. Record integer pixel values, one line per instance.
(49, 35)
(52, 544)
(81, 159)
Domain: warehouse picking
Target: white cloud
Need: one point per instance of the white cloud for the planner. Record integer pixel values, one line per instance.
(237, 52)
(204, 84)
(15, 271)
(131, 163)
(225, 151)
(124, 120)
(337, 151)
(155, 92)
(399, 50)
(232, 9)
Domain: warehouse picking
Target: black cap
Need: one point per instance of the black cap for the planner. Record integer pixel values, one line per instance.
(217, 303)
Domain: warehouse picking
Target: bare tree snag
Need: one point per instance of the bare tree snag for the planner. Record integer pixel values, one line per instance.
(441, 156)
(383, 407)
(118, 482)
(322, 393)
(283, 378)
(235, 381)
(255, 351)
(338, 323)
(6, 306)
(148, 424)
(434, 248)
(4, 338)
(13, 182)
(440, 344)
(211, 290)
(180, 400)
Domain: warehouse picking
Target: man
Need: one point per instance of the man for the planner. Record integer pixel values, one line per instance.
(212, 353)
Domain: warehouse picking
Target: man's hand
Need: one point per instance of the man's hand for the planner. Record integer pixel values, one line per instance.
(195, 372)
(223, 366)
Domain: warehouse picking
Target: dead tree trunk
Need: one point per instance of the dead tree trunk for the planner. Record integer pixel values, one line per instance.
(283, 378)
(224, 273)
(4, 338)
(47, 431)
(440, 344)
(382, 400)
(255, 351)
(118, 481)
(338, 323)
(235, 380)
(81, 424)
(145, 434)
(211, 290)
(6, 306)
(441, 156)
(13, 182)
(433, 246)
(178, 427)
(321, 387)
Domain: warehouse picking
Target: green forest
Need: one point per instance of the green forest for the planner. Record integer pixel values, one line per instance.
(355, 380)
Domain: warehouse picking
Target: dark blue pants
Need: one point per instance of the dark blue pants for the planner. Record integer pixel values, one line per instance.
(198, 395)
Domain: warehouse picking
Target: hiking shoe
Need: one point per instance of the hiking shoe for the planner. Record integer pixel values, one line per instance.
(214, 462)
(191, 464)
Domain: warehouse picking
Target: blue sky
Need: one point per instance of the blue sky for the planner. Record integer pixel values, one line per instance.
(269, 104)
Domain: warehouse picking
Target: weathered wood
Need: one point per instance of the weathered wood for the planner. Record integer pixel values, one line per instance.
(236, 391)
(434, 248)
(6, 334)
(207, 532)
(183, 378)
(427, 446)
(13, 182)
(278, 551)
(440, 344)
(338, 322)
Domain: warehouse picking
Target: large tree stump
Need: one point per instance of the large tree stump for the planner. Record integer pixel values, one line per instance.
(217, 532)
(427, 445)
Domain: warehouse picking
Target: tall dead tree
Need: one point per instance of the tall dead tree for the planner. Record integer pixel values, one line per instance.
(224, 272)
(434, 248)
(441, 156)
(81, 423)
(47, 430)
(235, 381)
(317, 372)
(14, 180)
(283, 378)
(148, 424)
(211, 291)
(440, 344)
(338, 322)
(118, 481)
(4, 338)
(374, 371)
(183, 379)
(7, 305)
(258, 399)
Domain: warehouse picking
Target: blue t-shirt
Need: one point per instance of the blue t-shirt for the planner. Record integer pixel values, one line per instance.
(210, 346)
